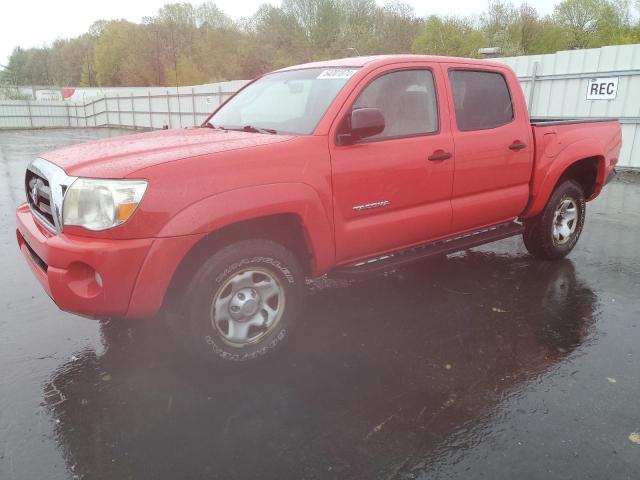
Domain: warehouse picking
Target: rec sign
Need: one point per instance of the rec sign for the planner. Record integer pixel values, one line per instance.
(602, 88)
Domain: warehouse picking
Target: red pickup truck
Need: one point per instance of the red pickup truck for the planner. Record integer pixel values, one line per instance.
(340, 167)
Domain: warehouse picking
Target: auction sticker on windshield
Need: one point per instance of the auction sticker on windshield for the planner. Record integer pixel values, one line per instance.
(337, 73)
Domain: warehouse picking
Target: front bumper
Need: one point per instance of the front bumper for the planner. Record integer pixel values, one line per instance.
(91, 277)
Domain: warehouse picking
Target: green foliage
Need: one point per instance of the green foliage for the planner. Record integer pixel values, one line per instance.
(120, 55)
(452, 36)
(500, 24)
(11, 92)
(594, 23)
(579, 19)
(186, 44)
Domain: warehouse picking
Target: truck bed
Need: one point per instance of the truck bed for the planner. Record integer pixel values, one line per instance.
(549, 122)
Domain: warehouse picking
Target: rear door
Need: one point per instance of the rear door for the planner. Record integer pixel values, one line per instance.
(387, 193)
(493, 147)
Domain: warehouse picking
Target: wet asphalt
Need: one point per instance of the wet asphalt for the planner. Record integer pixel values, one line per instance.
(486, 364)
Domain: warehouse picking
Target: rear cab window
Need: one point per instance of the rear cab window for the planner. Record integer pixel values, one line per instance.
(481, 98)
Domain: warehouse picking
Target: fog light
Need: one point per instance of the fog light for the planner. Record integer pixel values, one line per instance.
(83, 280)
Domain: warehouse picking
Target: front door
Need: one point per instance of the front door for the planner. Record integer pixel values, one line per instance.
(393, 190)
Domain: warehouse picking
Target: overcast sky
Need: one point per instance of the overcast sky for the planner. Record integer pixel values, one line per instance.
(30, 23)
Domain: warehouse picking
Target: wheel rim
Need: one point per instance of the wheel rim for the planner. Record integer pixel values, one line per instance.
(247, 307)
(565, 221)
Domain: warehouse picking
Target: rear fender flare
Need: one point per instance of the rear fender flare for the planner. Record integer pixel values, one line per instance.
(542, 188)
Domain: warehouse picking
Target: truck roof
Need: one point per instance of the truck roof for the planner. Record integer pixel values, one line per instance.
(381, 60)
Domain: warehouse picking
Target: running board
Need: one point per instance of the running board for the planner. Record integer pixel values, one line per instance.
(441, 247)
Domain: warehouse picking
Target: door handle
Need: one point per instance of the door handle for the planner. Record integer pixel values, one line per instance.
(439, 156)
(517, 146)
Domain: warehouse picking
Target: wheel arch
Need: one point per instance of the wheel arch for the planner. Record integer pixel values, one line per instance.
(587, 170)
(287, 229)
(297, 200)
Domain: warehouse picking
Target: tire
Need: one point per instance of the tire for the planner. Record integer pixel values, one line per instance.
(552, 234)
(242, 303)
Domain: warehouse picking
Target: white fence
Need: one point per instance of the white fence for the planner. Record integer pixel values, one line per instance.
(135, 108)
(554, 84)
(556, 87)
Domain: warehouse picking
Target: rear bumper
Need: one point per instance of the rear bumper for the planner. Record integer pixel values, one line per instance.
(91, 277)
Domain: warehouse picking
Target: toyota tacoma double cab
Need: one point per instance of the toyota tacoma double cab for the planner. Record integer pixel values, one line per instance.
(340, 167)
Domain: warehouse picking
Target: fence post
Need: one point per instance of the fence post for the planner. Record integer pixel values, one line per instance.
(66, 104)
(169, 108)
(29, 110)
(133, 111)
(219, 94)
(179, 106)
(106, 109)
(532, 87)
(193, 105)
(118, 107)
(150, 114)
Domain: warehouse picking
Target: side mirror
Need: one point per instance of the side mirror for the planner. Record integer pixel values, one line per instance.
(365, 122)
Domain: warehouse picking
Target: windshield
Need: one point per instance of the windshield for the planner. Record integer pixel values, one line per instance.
(284, 102)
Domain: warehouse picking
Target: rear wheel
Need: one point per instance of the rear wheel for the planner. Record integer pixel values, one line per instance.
(553, 233)
(243, 302)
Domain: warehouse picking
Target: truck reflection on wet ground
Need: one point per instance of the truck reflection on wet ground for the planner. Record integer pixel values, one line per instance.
(393, 368)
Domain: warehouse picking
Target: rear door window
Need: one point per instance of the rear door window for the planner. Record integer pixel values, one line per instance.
(481, 99)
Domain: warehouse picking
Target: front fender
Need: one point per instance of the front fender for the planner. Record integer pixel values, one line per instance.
(223, 209)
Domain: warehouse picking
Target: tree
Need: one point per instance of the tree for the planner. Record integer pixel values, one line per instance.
(184, 44)
(530, 29)
(593, 23)
(208, 15)
(500, 24)
(67, 58)
(579, 18)
(320, 21)
(176, 25)
(16, 71)
(190, 72)
(9, 91)
(451, 36)
(613, 23)
(551, 38)
(395, 28)
(356, 28)
(121, 55)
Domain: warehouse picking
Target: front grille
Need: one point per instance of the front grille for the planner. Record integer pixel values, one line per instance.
(39, 197)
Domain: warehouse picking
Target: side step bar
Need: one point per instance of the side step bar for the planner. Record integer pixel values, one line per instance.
(441, 247)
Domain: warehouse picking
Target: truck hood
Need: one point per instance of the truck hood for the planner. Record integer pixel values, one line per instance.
(119, 157)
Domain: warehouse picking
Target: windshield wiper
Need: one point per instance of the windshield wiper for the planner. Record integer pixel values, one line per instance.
(252, 129)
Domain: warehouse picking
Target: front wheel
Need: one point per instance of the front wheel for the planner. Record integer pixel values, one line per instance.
(553, 233)
(243, 302)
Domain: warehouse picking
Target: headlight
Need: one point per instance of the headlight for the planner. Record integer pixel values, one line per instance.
(100, 204)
